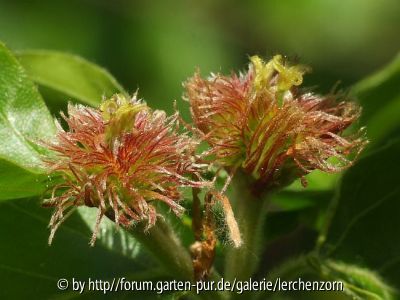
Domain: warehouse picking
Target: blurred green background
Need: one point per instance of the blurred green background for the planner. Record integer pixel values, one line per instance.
(155, 45)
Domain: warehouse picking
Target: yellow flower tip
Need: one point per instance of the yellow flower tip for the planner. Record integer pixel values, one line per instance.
(263, 72)
(120, 113)
(118, 106)
(288, 75)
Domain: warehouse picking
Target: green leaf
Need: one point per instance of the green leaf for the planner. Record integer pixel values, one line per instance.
(70, 75)
(379, 96)
(359, 283)
(347, 282)
(28, 265)
(24, 120)
(364, 228)
(19, 182)
(109, 236)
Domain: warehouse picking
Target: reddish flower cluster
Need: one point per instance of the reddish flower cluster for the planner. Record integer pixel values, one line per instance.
(120, 159)
(259, 121)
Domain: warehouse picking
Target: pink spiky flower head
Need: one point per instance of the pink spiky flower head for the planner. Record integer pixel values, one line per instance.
(260, 122)
(120, 158)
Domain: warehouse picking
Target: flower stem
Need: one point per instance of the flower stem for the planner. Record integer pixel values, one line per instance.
(249, 211)
(163, 243)
(166, 247)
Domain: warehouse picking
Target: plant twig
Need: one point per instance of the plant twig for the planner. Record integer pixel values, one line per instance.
(250, 213)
